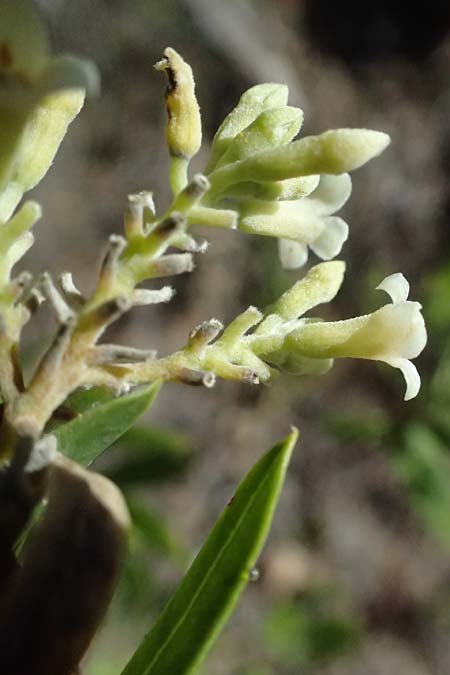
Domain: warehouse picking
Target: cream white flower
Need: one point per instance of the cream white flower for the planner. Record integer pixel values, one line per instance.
(303, 223)
(329, 196)
(281, 187)
(394, 334)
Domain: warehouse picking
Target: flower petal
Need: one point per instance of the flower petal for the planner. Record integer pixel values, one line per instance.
(292, 254)
(411, 375)
(331, 194)
(288, 220)
(396, 286)
(329, 244)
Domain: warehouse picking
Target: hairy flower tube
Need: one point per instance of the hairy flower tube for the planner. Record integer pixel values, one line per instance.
(395, 334)
(255, 343)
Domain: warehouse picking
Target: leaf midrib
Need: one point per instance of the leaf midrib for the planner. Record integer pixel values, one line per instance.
(200, 588)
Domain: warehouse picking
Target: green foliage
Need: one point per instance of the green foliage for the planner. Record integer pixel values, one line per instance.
(87, 436)
(209, 591)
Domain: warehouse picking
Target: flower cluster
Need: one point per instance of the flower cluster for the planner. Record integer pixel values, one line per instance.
(259, 179)
(395, 333)
(256, 345)
(282, 187)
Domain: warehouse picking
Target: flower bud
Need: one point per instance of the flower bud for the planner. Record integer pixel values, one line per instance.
(184, 128)
(333, 152)
(251, 104)
(293, 254)
(320, 285)
(270, 129)
(43, 135)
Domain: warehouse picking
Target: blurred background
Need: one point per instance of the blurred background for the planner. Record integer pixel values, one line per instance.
(355, 578)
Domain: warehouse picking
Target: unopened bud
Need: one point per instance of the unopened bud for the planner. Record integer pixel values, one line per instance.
(333, 152)
(320, 285)
(251, 104)
(184, 130)
(270, 129)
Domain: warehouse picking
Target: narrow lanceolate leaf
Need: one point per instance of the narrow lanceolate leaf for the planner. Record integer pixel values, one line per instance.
(85, 437)
(211, 588)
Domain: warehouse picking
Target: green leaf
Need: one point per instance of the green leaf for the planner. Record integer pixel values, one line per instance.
(85, 437)
(82, 400)
(102, 420)
(211, 588)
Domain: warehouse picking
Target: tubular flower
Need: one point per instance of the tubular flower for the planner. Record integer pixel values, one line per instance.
(395, 334)
(304, 222)
(282, 187)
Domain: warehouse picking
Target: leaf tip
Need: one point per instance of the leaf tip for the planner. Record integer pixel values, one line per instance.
(291, 441)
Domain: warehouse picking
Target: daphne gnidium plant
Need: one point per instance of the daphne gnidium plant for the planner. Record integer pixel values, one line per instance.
(58, 564)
